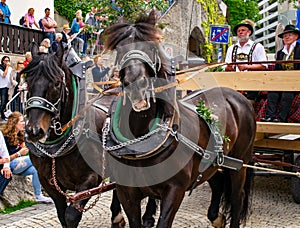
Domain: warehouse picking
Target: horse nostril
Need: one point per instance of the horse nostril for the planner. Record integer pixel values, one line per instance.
(34, 132)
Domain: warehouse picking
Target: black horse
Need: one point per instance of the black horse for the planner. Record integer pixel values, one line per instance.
(161, 147)
(67, 157)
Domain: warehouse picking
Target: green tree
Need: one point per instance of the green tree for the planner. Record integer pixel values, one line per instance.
(239, 10)
(113, 9)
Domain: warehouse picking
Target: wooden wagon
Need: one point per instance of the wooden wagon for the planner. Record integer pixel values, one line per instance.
(276, 144)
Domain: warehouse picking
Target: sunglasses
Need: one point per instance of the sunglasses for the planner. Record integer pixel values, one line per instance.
(20, 63)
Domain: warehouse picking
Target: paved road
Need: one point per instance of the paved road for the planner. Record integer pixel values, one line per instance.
(272, 206)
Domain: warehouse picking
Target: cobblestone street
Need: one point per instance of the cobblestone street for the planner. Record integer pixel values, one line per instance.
(272, 206)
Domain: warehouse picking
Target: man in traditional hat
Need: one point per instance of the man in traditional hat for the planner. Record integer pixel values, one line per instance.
(246, 50)
(290, 51)
(65, 35)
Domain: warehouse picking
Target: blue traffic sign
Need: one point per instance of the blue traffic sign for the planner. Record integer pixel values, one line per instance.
(219, 34)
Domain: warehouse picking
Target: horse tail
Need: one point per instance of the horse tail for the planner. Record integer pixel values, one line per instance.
(227, 200)
(247, 189)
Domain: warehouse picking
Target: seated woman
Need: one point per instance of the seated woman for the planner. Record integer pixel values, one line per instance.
(20, 163)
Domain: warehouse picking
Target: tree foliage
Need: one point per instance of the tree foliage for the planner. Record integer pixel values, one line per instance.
(239, 10)
(113, 9)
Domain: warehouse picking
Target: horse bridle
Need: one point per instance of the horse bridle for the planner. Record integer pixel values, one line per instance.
(142, 56)
(53, 108)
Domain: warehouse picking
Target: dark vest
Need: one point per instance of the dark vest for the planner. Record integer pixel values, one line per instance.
(280, 55)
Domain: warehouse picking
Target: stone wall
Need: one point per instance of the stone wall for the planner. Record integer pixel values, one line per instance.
(182, 19)
(20, 188)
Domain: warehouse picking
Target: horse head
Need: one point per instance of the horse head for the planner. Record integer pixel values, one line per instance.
(140, 59)
(46, 76)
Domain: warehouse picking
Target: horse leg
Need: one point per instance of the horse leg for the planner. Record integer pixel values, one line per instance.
(74, 211)
(117, 218)
(216, 184)
(237, 196)
(148, 217)
(170, 203)
(58, 198)
(73, 215)
(130, 199)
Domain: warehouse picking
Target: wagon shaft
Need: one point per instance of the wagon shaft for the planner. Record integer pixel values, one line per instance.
(91, 192)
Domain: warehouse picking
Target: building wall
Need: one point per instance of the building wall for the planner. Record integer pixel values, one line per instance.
(272, 14)
(183, 18)
(19, 8)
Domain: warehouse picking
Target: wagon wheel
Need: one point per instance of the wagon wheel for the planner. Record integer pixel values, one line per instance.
(295, 183)
(288, 158)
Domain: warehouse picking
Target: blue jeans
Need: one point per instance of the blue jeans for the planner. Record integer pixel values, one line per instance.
(4, 100)
(51, 37)
(23, 166)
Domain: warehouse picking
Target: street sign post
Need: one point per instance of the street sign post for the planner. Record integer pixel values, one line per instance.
(219, 34)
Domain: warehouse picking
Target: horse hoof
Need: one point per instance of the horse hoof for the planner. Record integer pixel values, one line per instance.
(118, 221)
(119, 224)
(219, 222)
(148, 223)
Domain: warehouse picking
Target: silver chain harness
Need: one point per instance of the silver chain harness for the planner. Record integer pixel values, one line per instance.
(75, 132)
(105, 132)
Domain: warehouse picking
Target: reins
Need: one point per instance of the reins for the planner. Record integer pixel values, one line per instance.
(101, 93)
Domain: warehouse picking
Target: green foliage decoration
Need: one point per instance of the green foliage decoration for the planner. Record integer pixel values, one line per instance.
(207, 114)
(214, 17)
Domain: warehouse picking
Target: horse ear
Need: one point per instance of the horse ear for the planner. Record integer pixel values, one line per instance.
(60, 52)
(34, 49)
(152, 18)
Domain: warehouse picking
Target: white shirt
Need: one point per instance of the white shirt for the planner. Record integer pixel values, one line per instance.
(5, 82)
(3, 150)
(288, 53)
(258, 54)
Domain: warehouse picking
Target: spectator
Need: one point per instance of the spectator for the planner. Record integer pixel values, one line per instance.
(290, 51)
(77, 41)
(5, 172)
(66, 38)
(58, 38)
(90, 14)
(16, 80)
(77, 14)
(28, 58)
(45, 46)
(83, 35)
(246, 50)
(4, 12)
(100, 72)
(96, 24)
(30, 20)
(13, 131)
(49, 25)
(5, 72)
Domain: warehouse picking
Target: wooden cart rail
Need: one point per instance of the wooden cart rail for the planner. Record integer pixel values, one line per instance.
(254, 81)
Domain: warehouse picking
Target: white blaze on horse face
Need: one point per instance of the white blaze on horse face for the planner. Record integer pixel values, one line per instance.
(138, 94)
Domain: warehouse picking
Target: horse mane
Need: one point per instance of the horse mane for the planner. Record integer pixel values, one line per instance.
(143, 29)
(46, 65)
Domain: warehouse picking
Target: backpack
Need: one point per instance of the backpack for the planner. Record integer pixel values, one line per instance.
(22, 20)
(41, 24)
